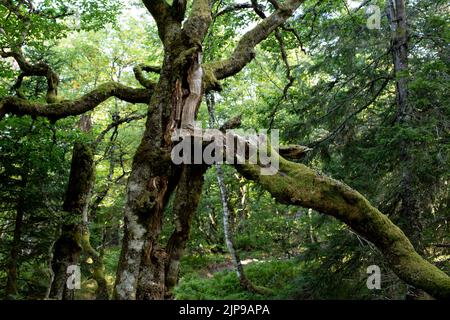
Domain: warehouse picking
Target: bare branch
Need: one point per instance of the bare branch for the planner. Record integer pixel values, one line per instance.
(232, 8)
(117, 123)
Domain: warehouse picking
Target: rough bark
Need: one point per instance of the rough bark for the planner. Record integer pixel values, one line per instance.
(141, 271)
(409, 211)
(410, 207)
(68, 247)
(186, 201)
(40, 69)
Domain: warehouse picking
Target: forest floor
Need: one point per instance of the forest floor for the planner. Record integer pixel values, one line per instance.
(212, 276)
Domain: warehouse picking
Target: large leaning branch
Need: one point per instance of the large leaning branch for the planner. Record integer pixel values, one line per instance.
(297, 184)
(63, 109)
(245, 49)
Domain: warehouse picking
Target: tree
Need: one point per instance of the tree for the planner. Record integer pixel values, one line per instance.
(173, 104)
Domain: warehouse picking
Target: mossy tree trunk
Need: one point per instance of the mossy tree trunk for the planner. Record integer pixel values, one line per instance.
(174, 104)
(68, 247)
(97, 264)
(186, 201)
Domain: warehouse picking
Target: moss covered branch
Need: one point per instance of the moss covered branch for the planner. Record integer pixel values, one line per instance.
(63, 109)
(140, 77)
(293, 152)
(297, 184)
(40, 69)
(245, 49)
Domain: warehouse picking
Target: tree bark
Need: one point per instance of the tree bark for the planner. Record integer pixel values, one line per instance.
(243, 280)
(187, 198)
(68, 247)
(409, 211)
(11, 289)
(174, 105)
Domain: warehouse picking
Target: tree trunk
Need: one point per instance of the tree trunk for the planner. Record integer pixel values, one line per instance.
(97, 264)
(186, 202)
(409, 211)
(11, 289)
(174, 105)
(243, 280)
(68, 247)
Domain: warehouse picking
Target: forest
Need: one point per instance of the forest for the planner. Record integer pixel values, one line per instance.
(224, 150)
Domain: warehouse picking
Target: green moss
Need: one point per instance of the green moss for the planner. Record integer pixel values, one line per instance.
(276, 275)
(297, 184)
